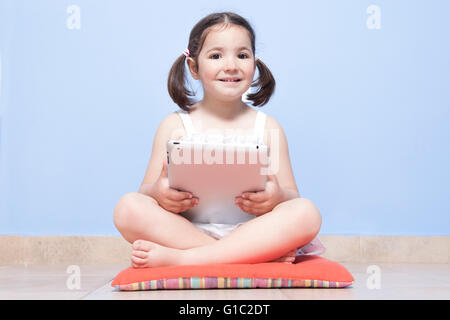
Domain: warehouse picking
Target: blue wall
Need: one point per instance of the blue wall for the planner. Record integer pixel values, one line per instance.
(365, 109)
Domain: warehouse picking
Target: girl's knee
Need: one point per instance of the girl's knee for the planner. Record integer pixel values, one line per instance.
(122, 208)
(126, 209)
(308, 215)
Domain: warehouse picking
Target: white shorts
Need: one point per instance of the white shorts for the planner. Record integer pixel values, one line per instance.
(219, 230)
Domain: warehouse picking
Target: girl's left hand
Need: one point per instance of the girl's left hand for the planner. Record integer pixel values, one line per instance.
(261, 202)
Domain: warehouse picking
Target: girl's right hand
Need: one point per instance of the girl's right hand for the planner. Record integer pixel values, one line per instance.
(170, 199)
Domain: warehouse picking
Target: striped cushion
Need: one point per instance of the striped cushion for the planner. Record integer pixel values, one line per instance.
(306, 272)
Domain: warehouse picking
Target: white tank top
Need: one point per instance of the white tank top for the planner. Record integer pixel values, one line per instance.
(221, 215)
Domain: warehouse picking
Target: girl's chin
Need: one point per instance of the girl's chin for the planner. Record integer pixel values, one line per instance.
(233, 98)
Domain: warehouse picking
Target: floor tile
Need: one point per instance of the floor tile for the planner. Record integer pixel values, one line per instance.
(397, 281)
(107, 292)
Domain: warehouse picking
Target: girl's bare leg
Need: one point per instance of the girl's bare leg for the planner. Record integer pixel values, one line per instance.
(289, 225)
(138, 216)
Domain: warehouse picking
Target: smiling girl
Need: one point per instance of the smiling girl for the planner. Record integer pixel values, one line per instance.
(270, 225)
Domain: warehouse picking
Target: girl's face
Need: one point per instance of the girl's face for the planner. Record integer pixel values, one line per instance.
(226, 64)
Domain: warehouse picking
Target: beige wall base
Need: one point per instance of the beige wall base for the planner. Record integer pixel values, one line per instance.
(82, 250)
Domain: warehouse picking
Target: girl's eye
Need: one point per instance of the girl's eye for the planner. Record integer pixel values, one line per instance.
(241, 55)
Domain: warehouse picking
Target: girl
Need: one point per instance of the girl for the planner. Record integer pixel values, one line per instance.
(263, 226)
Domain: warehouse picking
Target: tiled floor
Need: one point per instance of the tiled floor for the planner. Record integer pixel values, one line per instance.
(397, 281)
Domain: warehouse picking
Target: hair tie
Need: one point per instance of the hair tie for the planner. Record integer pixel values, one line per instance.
(187, 53)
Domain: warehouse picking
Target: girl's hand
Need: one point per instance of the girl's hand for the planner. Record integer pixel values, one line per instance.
(170, 199)
(261, 202)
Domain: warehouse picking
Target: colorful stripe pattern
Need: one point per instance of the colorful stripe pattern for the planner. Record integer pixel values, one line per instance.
(229, 283)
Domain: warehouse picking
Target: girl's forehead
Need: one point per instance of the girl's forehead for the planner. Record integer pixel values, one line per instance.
(226, 35)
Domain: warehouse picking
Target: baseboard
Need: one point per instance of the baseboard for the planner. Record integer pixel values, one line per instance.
(83, 250)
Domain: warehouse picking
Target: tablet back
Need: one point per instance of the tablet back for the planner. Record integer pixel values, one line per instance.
(216, 173)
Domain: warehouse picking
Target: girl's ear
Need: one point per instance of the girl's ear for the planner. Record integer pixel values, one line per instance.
(192, 68)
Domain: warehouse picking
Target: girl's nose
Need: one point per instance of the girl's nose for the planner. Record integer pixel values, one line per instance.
(230, 64)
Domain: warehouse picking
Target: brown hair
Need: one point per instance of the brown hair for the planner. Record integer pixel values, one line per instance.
(177, 77)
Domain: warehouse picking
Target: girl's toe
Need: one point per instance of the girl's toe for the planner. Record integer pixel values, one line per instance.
(137, 262)
(140, 254)
(142, 245)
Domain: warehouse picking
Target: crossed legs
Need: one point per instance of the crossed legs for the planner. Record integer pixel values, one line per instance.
(139, 217)
(163, 238)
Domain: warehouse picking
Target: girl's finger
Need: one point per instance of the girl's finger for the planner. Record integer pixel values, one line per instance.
(253, 204)
(183, 205)
(250, 210)
(255, 196)
(178, 195)
(245, 209)
(186, 202)
(251, 207)
(193, 203)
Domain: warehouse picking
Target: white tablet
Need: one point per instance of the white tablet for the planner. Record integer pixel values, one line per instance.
(216, 172)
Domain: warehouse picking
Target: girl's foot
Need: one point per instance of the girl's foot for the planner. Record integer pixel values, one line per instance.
(287, 258)
(147, 254)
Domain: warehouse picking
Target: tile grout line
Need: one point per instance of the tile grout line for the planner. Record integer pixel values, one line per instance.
(99, 289)
(284, 295)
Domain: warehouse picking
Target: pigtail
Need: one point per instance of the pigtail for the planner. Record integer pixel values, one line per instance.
(266, 83)
(176, 84)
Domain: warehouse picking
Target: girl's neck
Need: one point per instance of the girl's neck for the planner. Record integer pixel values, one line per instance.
(222, 109)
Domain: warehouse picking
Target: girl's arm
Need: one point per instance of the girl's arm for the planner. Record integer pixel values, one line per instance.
(166, 130)
(274, 134)
(289, 194)
(280, 185)
(146, 189)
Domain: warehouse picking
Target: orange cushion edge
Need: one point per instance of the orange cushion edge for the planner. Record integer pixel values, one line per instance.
(304, 268)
